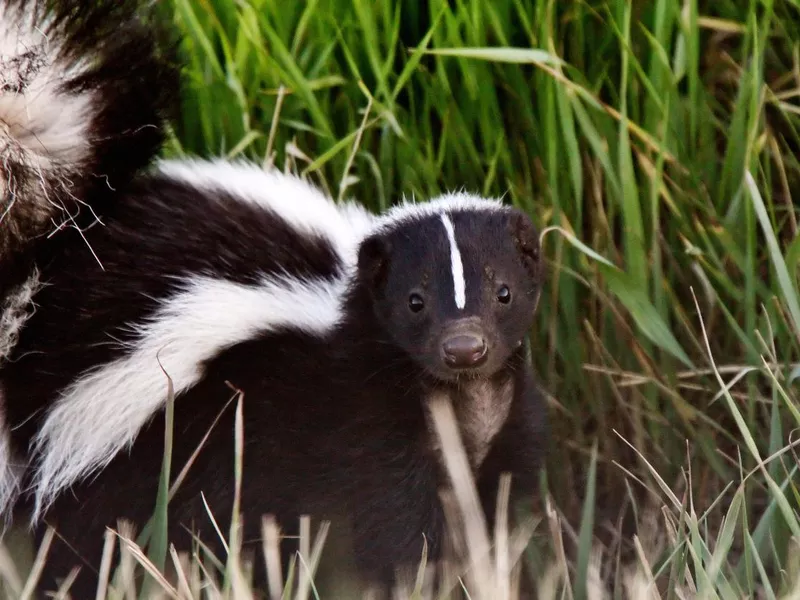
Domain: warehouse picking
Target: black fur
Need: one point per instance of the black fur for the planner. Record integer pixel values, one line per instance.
(335, 427)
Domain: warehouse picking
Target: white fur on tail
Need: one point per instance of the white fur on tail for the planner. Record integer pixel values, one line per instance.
(191, 327)
(42, 127)
(9, 473)
(14, 311)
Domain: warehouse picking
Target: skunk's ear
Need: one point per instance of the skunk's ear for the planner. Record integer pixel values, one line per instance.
(373, 261)
(526, 240)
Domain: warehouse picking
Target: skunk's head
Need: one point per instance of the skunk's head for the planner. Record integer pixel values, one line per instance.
(454, 282)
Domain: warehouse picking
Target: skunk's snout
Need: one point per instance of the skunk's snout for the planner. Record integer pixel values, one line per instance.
(464, 350)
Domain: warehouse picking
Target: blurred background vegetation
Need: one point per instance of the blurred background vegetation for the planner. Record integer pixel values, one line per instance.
(658, 138)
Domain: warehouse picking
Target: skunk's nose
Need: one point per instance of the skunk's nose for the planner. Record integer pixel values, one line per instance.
(462, 351)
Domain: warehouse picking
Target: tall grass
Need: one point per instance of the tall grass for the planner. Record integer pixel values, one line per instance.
(655, 143)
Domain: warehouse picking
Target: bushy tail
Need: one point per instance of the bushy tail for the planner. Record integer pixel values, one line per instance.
(85, 89)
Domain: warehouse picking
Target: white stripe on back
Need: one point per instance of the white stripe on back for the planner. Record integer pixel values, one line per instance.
(190, 327)
(457, 266)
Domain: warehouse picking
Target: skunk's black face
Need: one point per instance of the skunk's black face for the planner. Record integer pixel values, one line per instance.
(457, 291)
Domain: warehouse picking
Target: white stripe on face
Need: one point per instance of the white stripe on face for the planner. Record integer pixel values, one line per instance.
(456, 265)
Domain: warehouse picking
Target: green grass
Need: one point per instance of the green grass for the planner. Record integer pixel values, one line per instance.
(655, 144)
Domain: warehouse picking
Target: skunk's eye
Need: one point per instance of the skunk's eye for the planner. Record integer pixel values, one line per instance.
(504, 294)
(415, 303)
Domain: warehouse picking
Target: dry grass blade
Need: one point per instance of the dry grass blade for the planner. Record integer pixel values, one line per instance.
(520, 540)
(269, 158)
(139, 556)
(501, 540)
(480, 573)
(642, 580)
(213, 520)
(63, 590)
(356, 143)
(270, 535)
(184, 589)
(239, 585)
(654, 472)
(8, 572)
(310, 561)
(38, 564)
(303, 553)
(127, 562)
(549, 582)
(109, 542)
(185, 470)
(210, 584)
(560, 568)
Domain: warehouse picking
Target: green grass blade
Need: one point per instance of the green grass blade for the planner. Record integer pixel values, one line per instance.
(790, 296)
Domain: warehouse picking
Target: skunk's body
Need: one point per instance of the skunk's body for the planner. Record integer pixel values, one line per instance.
(223, 274)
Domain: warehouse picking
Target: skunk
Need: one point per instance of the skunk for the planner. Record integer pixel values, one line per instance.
(85, 91)
(336, 325)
